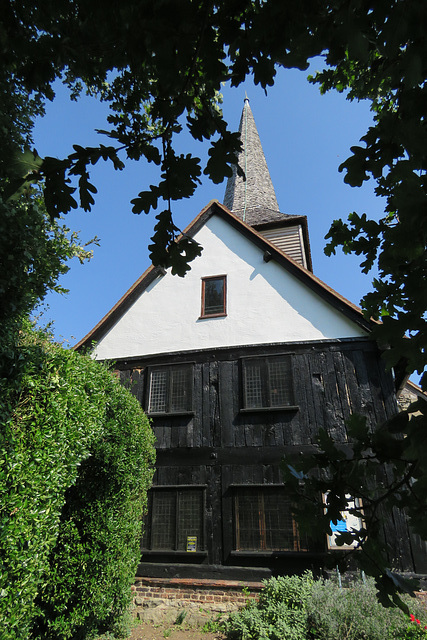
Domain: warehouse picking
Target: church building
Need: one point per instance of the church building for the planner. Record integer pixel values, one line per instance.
(238, 363)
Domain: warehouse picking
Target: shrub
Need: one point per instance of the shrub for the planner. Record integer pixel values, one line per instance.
(299, 608)
(355, 613)
(75, 449)
(279, 614)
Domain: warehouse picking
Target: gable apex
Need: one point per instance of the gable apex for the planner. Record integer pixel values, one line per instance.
(270, 251)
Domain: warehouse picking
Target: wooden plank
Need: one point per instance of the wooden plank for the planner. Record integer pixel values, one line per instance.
(239, 431)
(137, 385)
(334, 415)
(236, 390)
(269, 432)
(226, 402)
(307, 406)
(364, 388)
(419, 552)
(173, 433)
(343, 390)
(215, 426)
(206, 432)
(316, 370)
(124, 377)
(377, 396)
(240, 474)
(227, 511)
(229, 455)
(387, 386)
(258, 474)
(249, 431)
(277, 471)
(352, 384)
(403, 540)
(395, 531)
(303, 398)
(268, 473)
(184, 429)
(159, 433)
(215, 491)
(257, 435)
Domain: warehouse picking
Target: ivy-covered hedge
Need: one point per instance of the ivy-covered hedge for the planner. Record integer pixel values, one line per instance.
(75, 463)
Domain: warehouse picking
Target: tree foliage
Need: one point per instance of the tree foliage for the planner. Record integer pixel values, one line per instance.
(34, 253)
(160, 65)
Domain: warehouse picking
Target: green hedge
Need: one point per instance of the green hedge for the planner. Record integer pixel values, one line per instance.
(75, 463)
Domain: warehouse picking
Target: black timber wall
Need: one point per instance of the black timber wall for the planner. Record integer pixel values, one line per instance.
(219, 446)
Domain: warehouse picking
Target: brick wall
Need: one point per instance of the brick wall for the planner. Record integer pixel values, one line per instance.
(203, 592)
(159, 600)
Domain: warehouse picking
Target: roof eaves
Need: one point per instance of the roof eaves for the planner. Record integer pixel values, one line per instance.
(316, 284)
(138, 286)
(124, 303)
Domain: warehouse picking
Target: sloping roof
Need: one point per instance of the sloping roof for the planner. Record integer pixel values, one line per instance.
(350, 310)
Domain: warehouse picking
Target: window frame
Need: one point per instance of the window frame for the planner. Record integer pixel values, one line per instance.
(265, 382)
(298, 545)
(219, 314)
(148, 527)
(188, 367)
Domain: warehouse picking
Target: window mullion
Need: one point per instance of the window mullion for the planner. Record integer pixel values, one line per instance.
(261, 515)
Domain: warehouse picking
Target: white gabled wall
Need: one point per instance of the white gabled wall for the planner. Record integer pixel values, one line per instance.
(265, 304)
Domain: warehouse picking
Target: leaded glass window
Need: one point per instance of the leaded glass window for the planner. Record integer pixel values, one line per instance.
(267, 382)
(175, 519)
(264, 522)
(170, 389)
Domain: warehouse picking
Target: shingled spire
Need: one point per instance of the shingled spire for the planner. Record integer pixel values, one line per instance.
(254, 201)
(257, 191)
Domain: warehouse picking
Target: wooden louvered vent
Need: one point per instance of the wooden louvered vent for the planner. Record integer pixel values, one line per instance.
(289, 240)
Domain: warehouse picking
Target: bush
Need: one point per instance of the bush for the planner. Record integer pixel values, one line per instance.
(299, 608)
(279, 614)
(75, 449)
(356, 614)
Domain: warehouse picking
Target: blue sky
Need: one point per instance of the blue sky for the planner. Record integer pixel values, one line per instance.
(305, 137)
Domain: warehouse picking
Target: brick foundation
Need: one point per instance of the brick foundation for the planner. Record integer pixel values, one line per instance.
(203, 592)
(165, 599)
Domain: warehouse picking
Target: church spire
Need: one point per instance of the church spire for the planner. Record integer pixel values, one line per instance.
(253, 200)
(242, 196)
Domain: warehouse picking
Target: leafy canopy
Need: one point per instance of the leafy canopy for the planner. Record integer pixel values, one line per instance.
(159, 66)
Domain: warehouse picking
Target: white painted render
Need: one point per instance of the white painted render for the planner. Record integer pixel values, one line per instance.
(265, 304)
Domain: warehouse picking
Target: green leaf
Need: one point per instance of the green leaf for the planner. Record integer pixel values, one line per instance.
(25, 162)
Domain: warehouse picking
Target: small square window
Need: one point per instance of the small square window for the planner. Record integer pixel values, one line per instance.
(170, 389)
(267, 382)
(175, 519)
(213, 297)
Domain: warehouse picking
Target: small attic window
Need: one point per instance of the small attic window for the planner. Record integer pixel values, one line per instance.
(213, 297)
